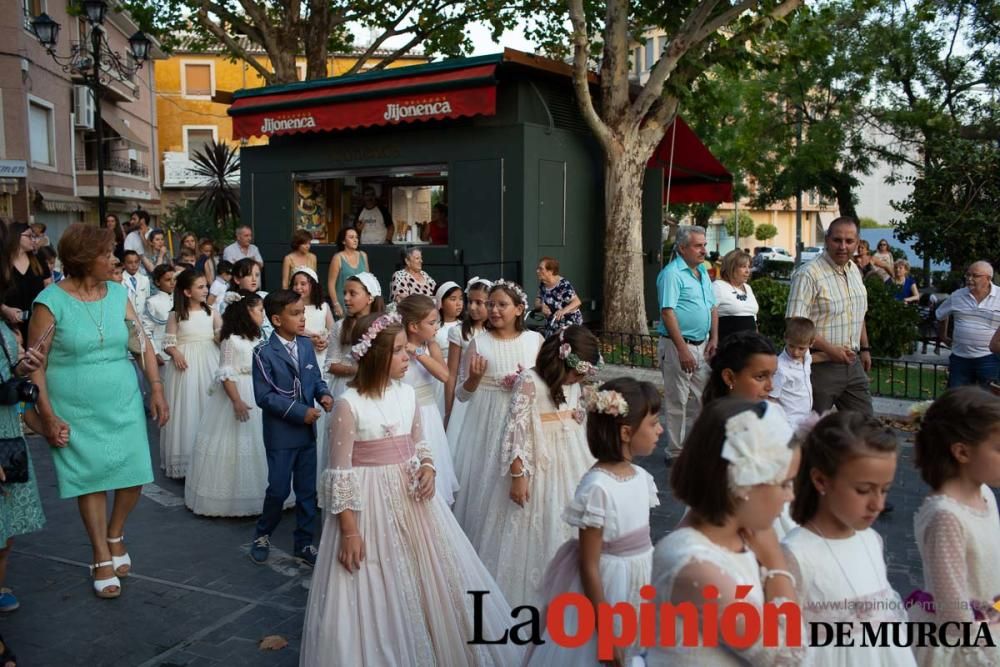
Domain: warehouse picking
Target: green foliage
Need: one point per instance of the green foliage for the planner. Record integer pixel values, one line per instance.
(892, 325)
(190, 217)
(870, 223)
(218, 164)
(772, 299)
(746, 226)
(765, 232)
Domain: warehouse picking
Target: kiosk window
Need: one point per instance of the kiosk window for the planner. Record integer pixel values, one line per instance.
(406, 204)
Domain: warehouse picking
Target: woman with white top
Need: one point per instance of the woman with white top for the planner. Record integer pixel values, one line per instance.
(737, 304)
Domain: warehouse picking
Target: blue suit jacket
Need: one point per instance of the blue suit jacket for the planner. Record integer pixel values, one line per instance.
(284, 393)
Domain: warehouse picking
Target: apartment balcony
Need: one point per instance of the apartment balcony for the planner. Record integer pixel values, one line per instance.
(118, 88)
(179, 172)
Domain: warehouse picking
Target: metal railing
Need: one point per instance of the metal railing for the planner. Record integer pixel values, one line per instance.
(889, 378)
(116, 165)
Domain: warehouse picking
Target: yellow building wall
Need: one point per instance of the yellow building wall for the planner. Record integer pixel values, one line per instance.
(175, 111)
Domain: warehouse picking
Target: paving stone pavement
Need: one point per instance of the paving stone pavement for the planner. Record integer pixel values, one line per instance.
(196, 599)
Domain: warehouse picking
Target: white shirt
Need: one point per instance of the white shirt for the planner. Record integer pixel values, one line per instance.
(234, 253)
(975, 322)
(218, 288)
(730, 304)
(134, 242)
(137, 287)
(373, 225)
(792, 387)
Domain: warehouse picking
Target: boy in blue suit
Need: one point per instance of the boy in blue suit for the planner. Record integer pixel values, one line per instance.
(287, 384)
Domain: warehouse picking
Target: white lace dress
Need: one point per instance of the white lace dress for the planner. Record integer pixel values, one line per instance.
(845, 581)
(960, 549)
(424, 385)
(335, 354)
(408, 604)
(518, 542)
(620, 507)
(154, 320)
(228, 472)
(458, 408)
(477, 448)
(316, 324)
(186, 391)
(683, 563)
(441, 338)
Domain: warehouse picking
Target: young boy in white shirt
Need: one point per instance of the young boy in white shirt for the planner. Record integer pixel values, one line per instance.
(792, 383)
(135, 282)
(223, 274)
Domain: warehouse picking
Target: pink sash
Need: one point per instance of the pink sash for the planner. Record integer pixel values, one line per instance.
(383, 452)
(564, 567)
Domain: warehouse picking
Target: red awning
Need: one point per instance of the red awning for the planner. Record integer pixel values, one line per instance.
(691, 173)
(362, 101)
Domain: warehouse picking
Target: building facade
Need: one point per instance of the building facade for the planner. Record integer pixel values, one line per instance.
(193, 90)
(48, 142)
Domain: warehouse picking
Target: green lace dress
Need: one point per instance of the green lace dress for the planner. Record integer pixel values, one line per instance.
(20, 505)
(93, 387)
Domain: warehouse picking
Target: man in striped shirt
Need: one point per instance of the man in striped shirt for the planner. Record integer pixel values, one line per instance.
(829, 291)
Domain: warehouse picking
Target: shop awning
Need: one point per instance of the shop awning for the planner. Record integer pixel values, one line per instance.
(449, 89)
(691, 173)
(116, 123)
(55, 202)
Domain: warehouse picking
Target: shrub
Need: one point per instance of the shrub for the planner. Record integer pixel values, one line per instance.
(893, 326)
(765, 232)
(772, 299)
(190, 217)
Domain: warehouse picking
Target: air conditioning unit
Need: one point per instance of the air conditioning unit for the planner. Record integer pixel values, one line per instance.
(85, 107)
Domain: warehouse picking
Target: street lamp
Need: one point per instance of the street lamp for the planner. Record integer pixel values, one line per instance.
(98, 69)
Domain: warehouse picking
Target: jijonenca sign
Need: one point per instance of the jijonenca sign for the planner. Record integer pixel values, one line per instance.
(397, 112)
(271, 125)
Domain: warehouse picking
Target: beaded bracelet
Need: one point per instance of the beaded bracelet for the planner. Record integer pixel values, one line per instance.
(766, 574)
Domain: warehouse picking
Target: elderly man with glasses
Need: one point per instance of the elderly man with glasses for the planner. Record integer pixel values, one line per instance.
(975, 310)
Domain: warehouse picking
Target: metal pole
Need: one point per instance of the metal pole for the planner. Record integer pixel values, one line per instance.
(95, 40)
(798, 198)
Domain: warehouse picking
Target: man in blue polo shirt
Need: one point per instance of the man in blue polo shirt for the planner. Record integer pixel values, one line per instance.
(688, 331)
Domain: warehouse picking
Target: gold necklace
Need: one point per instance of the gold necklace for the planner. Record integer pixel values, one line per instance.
(86, 307)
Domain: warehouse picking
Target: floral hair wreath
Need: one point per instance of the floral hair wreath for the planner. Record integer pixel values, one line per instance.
(378, 326)
(606, 402)
(513, 287)
(573, 360)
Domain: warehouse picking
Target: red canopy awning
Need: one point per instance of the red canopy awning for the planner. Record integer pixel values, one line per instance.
(342, 103)
(691, 173)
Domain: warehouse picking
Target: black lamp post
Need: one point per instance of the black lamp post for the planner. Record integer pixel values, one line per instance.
(105, 65)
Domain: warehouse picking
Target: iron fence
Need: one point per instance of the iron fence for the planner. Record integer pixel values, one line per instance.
(889, 378)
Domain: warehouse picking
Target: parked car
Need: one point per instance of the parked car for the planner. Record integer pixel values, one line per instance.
(810, 252)
(775, 254)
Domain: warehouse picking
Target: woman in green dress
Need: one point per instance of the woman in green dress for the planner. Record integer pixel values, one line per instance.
(89, 398)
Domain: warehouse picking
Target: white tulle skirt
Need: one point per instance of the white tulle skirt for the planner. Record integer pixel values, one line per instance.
(186, 393)
(408, 604)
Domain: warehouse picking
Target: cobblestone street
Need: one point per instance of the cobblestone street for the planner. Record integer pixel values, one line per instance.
(196, 599)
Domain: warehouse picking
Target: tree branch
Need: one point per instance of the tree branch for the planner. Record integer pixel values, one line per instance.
(234, 47)
(581, 83)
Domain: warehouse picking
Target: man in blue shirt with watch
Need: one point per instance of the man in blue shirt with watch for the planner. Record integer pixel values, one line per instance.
(688, 331)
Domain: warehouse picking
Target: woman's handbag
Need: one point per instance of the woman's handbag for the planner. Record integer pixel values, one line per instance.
(136, 342)
(14, 459)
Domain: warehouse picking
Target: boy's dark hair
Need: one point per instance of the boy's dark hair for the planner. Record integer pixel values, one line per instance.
(836, 439)
(734, 353)
(160, 271)
(603, 430)
(699, 477)
(143, 215)
(276, 302)
(236, 319)
(799, 330)
(962, 414)
(478, 286)
(186, 280)
(129, 253)
(554, 370)
(224, 266)
(241, 269)
(46, 253)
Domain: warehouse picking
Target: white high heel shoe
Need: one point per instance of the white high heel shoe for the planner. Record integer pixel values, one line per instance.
(101, 586)
(122, 564)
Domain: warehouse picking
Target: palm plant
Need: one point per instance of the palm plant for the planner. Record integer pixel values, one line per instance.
(218, 164)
